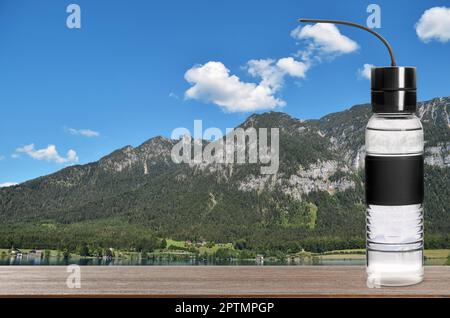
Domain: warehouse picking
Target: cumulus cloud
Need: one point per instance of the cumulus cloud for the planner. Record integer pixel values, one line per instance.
(434, 24)
(325, 37)
(7, 184)
(365, 71)
(83, 132)
(212, 82)
(49, 154)
(272, 72)
(266, 70)
(292, 67)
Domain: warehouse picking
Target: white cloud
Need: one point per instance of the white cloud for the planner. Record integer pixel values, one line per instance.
(83, 132)
(365, 71)
(266, 70)
(49, 154)
(292, 67)
(326, 38)
(272, 72)
(2, 157)
(434, 24)
(212, 82)
(7, 184)
(173, 95)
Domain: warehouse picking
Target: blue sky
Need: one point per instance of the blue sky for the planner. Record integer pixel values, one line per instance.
(120, 79)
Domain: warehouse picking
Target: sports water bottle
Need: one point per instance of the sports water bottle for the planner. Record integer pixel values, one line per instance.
(394, 180)
(393, 175)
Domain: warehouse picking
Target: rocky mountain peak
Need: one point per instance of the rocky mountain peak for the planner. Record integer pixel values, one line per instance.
(271, 119)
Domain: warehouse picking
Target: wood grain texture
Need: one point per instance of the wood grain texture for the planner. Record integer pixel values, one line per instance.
(222, 281)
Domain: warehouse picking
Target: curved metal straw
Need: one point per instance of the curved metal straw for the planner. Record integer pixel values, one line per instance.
(386, 43)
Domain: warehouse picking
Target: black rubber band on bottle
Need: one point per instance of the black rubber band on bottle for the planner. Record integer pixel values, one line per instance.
(394, 180)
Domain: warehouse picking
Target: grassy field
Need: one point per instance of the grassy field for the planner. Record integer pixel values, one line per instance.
(441, 253)
(202, 249)
(348, 256)
(171, 249)
(52, 253)
(432, 257)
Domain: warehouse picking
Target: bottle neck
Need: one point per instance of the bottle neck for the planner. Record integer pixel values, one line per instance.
(396, 115)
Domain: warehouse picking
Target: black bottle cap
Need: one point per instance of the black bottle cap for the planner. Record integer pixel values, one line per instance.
(394, 89)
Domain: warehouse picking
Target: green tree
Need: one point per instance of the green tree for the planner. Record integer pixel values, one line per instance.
(240, 244)
(109, 253)
(84, 250)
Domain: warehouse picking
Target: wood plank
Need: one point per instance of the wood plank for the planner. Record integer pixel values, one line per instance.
(207, 281)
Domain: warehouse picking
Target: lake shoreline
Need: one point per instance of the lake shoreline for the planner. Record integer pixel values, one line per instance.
(183, 258)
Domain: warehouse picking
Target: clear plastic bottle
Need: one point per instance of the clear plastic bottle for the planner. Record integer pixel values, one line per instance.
(394, 184)
(395, 232)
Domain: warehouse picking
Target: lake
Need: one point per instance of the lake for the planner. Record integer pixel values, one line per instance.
(27, 259)
(137, 261)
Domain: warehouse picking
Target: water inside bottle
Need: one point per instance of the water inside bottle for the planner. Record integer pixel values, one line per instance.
(394, 245)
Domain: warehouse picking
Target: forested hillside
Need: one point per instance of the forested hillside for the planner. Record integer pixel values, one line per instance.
(135, 197)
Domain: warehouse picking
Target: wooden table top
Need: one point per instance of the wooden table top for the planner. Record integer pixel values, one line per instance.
(212, 281)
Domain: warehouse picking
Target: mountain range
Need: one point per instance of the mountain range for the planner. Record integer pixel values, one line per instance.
(137, 195)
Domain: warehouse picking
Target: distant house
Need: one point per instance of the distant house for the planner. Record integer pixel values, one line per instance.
(36, 253)
(260, 259)
(16, 252)
(109, 254)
